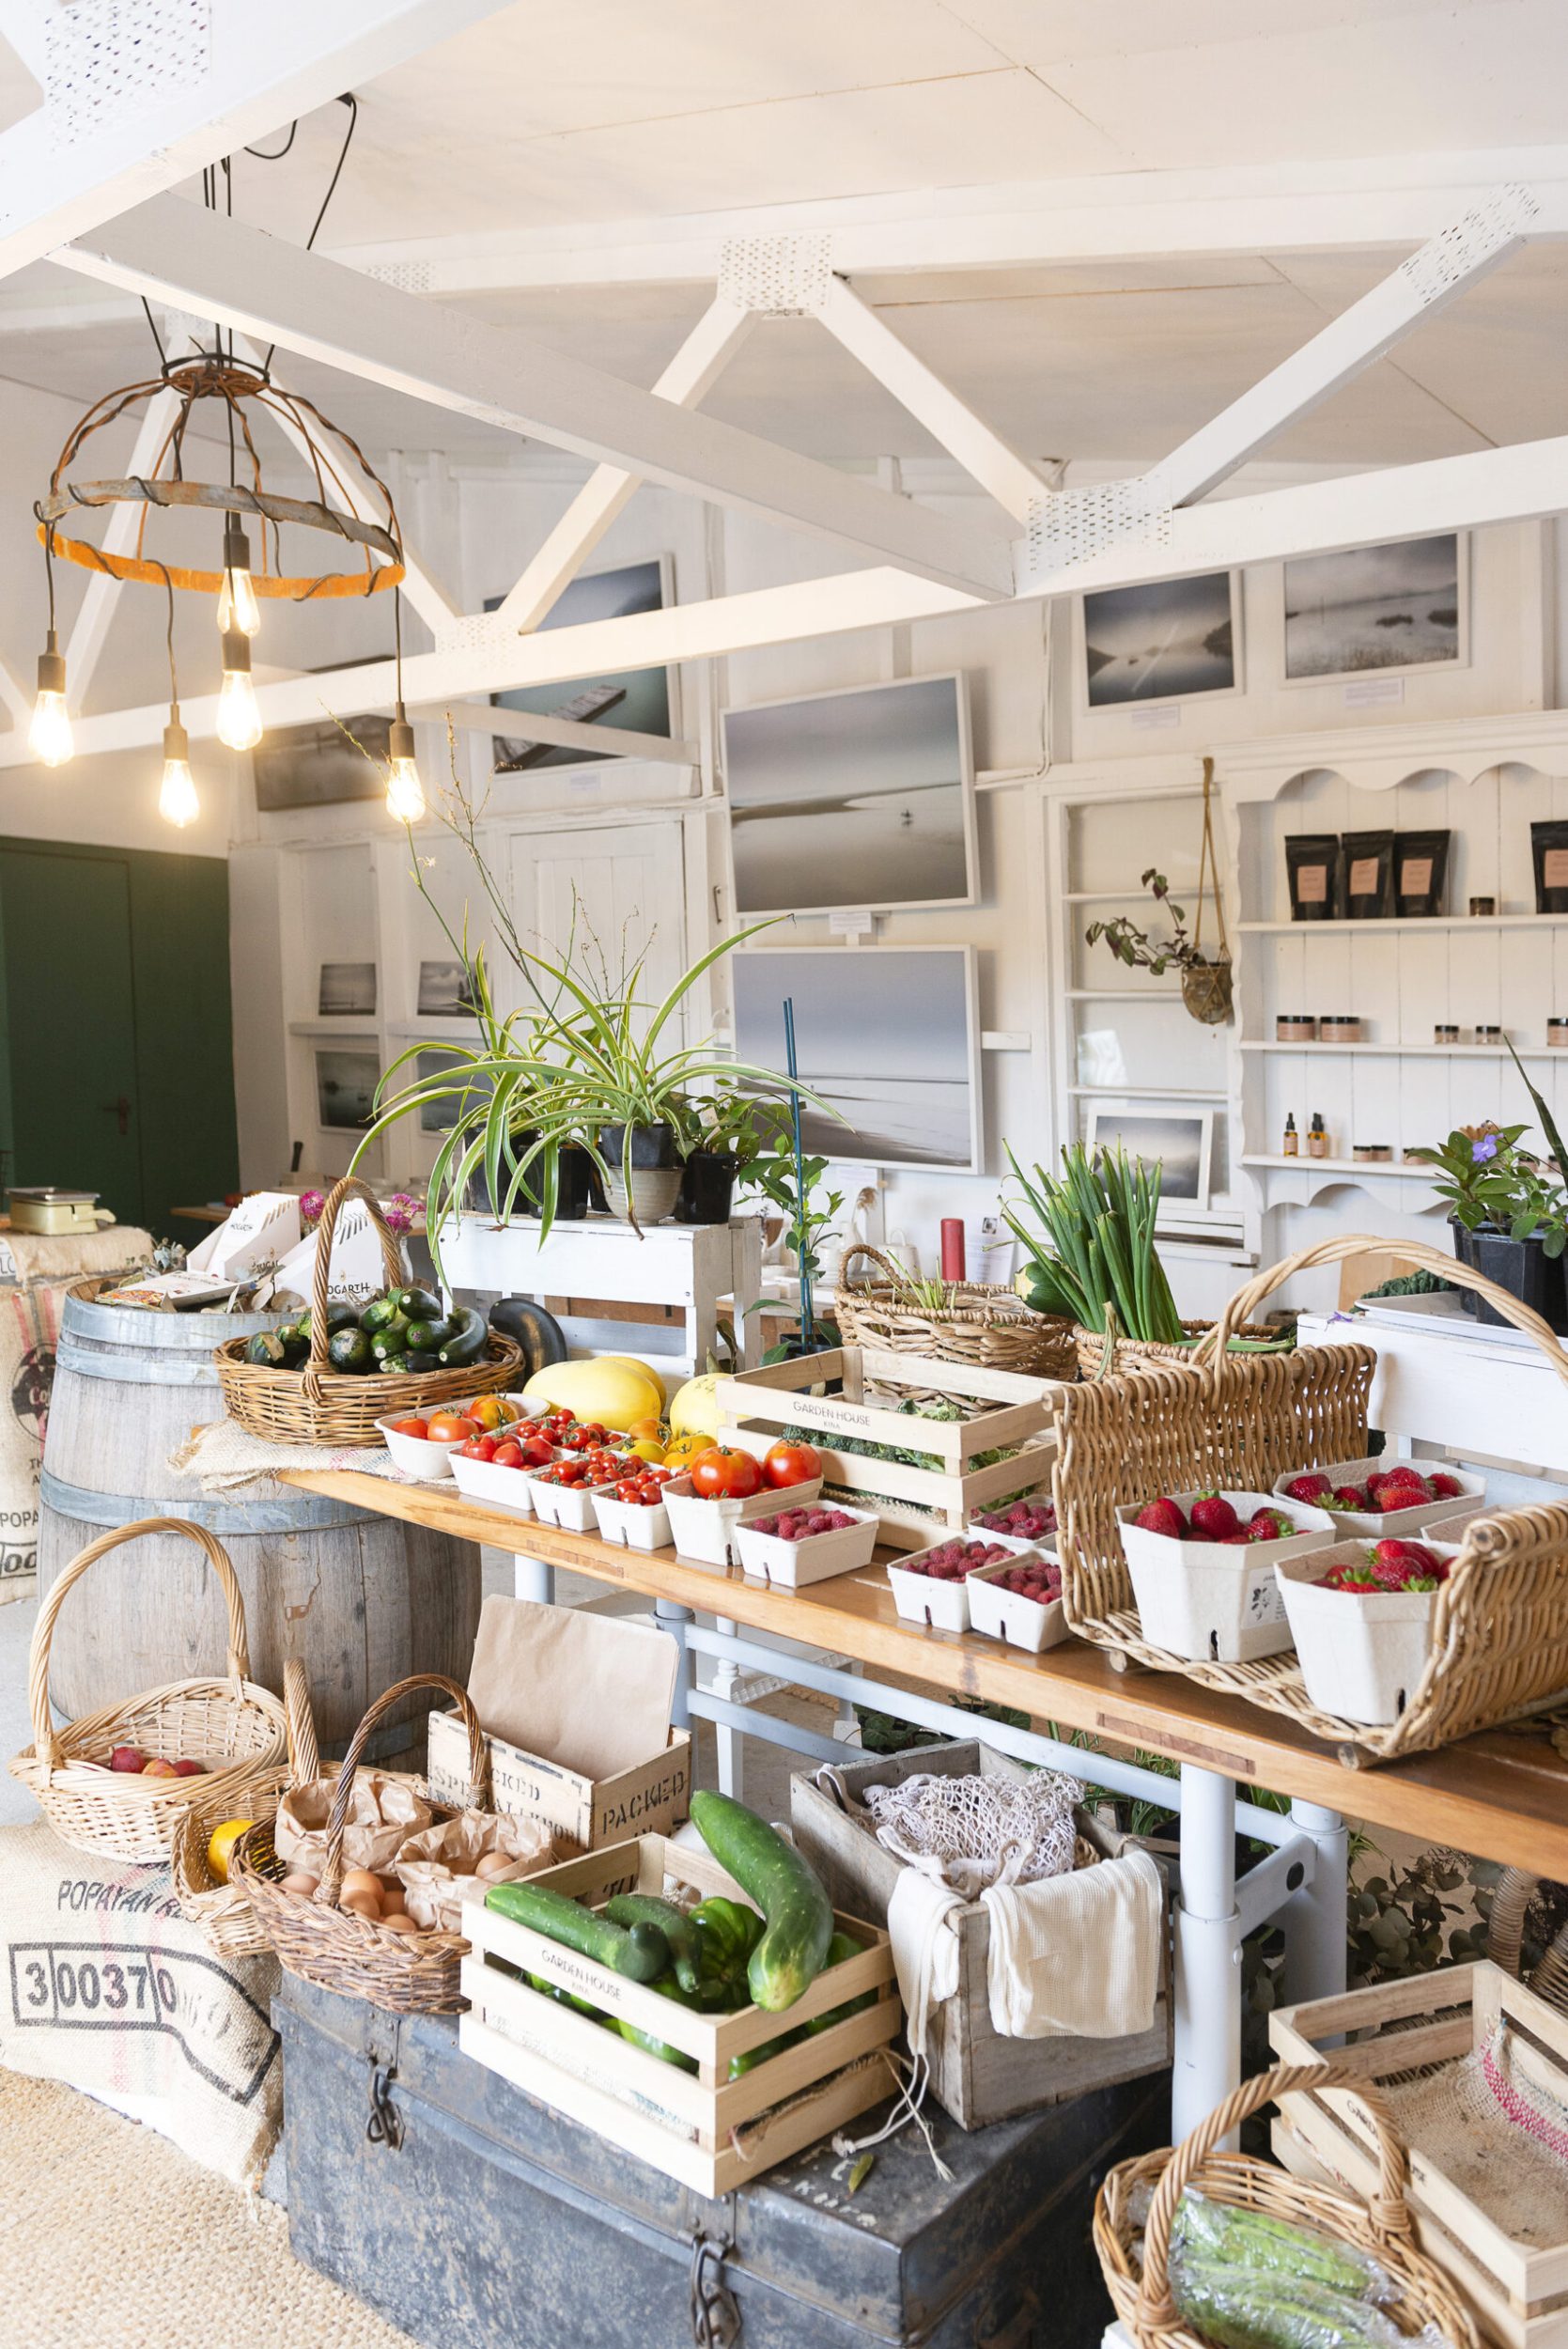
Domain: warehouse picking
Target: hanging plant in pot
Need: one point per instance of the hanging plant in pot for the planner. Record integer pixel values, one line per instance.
(1206, 989)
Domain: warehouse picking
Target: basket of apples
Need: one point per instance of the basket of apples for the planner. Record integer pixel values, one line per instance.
(631, 1511)
(807, 1541)
(1360, 1616)
(931, 1586)
(725, 1486)
(1203, 1570)
(1376, 1497)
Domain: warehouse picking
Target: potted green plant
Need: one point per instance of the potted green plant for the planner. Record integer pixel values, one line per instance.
(809, 1210)
(727, 1131)
(1508, 1210)
(1205, 984)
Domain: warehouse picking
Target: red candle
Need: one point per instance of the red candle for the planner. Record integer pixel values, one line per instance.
(953, 1248)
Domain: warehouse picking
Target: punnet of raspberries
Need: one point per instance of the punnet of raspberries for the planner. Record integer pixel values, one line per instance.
(951, 1561)
(1027, 1519)
(1213, 1518)
(799, 1525)
(1039, 1578)
(1385, 1490)
(1389, 1566)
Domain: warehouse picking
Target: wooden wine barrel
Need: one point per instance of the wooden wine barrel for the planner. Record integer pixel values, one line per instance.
(360, 1599)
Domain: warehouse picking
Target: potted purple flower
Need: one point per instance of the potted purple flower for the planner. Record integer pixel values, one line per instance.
(1508, 1210)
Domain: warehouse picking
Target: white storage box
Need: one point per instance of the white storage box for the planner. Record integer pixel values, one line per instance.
(1211, 1602)
(1008, 1615)
(817, 1558)
(1404, 1522)
(945, 1606)
(706, 1530)
(1362, 1653)
(509, 1489)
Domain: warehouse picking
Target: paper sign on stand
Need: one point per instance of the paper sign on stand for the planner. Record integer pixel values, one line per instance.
(262, 1229)
(358, 1270)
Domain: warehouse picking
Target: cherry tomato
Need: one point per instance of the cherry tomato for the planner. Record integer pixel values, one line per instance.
(411, 1427)
(508, 1454)
(791, 1464)
(725, 1472)
(537, 1452)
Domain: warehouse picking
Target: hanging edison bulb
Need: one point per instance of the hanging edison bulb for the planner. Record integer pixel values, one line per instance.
(239, 719)
(178, 802)
(405, 793)
(236, 604)
(49, 736)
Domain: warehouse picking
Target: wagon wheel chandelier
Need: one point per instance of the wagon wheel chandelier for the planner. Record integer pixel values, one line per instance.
(245, 395)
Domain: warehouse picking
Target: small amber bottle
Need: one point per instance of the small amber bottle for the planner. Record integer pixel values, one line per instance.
(1317, 1137)
(1291, 1147)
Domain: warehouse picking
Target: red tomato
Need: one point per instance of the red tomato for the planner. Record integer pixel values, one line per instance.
(537, 1452)
(484, 1447)
(791, 1464)
(724, 1473)
(410, 1427)
(508, 1454)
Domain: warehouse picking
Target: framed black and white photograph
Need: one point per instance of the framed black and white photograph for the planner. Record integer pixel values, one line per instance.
(1162, 642)
(440, 1115)
(1377, 608)
(860, 798)
(323, 764)
(637, 699)
(887, 1034)
(443, 991)
(1179, 1140)
(346, 1090)
(348, 991)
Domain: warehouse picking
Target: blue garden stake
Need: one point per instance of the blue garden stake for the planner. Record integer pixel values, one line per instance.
(808, 1316)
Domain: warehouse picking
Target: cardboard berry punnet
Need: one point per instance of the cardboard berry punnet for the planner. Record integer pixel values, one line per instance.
(1435, 1489)
(1361, 1651)
(1201, 1566)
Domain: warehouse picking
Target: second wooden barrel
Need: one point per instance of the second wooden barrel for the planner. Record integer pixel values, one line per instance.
(360, 1599)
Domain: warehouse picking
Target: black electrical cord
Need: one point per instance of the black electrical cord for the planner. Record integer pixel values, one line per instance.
(350, 100)
(262, 157)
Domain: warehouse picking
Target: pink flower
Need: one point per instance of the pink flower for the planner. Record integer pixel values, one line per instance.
(311, 1205)
(401, 1212)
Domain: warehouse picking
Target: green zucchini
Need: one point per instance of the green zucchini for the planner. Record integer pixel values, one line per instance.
(378, 1313)
(295, 1342)
(468, 1343)
(433, 1335)
(268, 1349)
(417, 1304)
(790, 1894)
(684, 1937)
(417, 1358)
(842, 1946)
(392, 1337)
(641, 1953)
(349, 1350)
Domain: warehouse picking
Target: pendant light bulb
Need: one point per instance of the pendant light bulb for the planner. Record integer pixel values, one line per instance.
(236, 604)
(178, 802)
(49, 736)
(239, 719)
(405, 793)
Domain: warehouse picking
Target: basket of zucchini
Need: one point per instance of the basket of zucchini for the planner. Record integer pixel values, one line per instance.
(327, 1376)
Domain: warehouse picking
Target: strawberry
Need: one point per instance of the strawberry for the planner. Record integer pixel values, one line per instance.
(1212, 1513)
(1237, 1541)
(1268, 1525)
(1346, 1497)
(1415, 1554)
(1163, 1516)
(1310, 1486)
(1400, 1481)
(1391, 1574)
(1444, 1487)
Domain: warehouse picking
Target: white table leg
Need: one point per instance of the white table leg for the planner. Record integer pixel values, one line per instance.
(1314, 1917)
(532, 1577)
(674, 1619)
(731, 1750)
(1207, 2060)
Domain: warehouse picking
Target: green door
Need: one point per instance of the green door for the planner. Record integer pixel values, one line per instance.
(70, 1017)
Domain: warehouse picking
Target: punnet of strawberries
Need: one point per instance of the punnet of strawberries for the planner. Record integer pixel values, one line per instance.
(951, 1561)
(799, 1525)
(1027, 1519)
(1213, 1518)
(1402, 1486)
(1389, 1566)
(1039, 1578)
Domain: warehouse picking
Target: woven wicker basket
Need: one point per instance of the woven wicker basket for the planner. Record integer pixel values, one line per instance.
(406, 1973)
(1142, 2291)
(223, 1911)
(986, 1326)
(234, 1727)
(1499, 1643)
(1505, 1937)
(318, 1404)
(1257, 1337)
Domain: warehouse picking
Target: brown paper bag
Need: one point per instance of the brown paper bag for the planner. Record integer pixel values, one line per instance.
(382, 1813)
(436, 1867)
(585, 1691)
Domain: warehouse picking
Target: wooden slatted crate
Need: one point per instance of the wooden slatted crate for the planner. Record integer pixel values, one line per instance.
(702, 2128)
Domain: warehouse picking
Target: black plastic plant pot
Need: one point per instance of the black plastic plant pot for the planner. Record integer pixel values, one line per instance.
(706, 1190)
(651, 1146)
(575, 1184)
(476, 1197)
(1522, 1267)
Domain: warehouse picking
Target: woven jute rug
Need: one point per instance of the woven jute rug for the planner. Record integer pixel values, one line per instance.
(111, 2239)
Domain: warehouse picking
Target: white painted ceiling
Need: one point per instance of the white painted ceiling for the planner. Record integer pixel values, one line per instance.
(561, 111)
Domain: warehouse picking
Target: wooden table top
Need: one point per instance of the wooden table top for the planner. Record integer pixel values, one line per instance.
(1503, 1795)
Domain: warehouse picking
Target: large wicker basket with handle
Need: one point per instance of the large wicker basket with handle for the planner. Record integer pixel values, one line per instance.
(315, 1937)
(1499, 1642)
(1093, 1346)
(1505, 1938)
(221, 1909)
(318, 1404)
(978, 1323)
(1140, 2288)
(232, 1727)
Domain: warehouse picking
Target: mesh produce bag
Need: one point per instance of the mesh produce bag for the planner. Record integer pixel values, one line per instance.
(973, 1832)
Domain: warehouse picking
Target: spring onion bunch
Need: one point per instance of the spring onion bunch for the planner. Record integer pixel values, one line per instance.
(1092, 1244)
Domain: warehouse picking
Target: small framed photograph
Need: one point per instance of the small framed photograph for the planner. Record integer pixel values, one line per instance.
(1166, 641)
(346, 1090)
(348, 991)
(1373, 610)
(443, 991)
(1178, 1139)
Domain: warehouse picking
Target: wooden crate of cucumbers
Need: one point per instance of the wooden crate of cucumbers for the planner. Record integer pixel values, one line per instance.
(711, 2093)
(868, 1411)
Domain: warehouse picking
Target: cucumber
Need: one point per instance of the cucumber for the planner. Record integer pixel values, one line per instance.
(468, 1343)
(741, 2064)
(641, 1953)
(684, 1937)
(790, 1894)
(567, 1998)
(667, 1987)
(349, 1350)
(417, 1304)
(268, 1349)
(842, 1946)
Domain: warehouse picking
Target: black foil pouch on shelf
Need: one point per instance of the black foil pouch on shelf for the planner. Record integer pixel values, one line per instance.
(1368, 865)
(1312, 864)
(1421, 873)
(1548, 843)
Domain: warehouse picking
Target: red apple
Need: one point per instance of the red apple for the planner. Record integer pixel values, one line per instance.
(128, 1758)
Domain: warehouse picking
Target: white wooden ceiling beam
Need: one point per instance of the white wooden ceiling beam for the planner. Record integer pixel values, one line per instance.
(103, 593)
(982, 453)
(567, 734)
(175, 252)
(1423, 284)
(1388, 200)
(123, 119)
(687, 380)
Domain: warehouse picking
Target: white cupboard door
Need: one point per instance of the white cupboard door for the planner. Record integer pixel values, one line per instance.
(627, 887)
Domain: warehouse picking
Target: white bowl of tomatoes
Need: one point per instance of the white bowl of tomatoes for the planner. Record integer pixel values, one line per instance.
(422, 1443)
(724, 1488)
(631, 1511)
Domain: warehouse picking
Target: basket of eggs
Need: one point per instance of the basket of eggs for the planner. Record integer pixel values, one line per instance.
(349, 1928)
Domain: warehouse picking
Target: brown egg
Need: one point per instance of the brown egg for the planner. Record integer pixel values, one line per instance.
(393, 1901)
(363, 1904)
(401, 1923)
(297, 1881)
(493, 1863)
(362, 1881)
